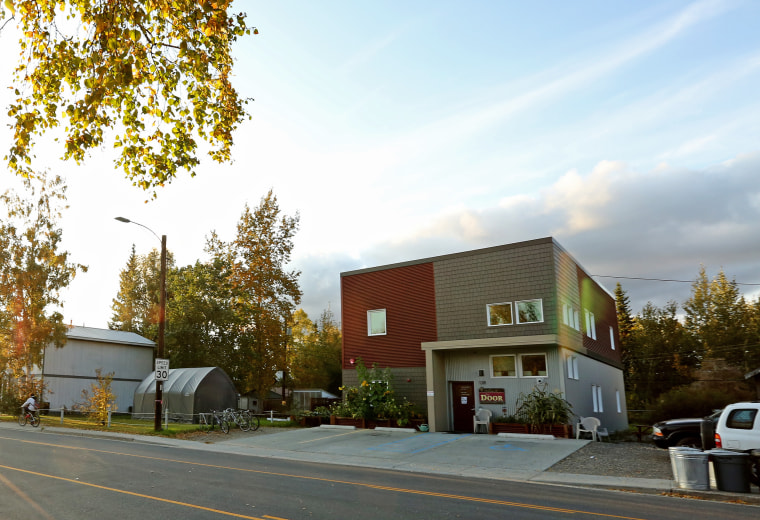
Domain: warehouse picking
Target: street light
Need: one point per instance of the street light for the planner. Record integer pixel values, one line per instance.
(161, 319)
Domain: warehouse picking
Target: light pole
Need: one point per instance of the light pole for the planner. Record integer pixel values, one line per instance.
(161, 319)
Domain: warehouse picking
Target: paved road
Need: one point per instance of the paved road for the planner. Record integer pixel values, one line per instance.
(53, 476)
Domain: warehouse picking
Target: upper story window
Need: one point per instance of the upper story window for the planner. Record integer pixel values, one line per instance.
(590, 324)
(570, 316)
(612, 338)
(376, 322)
(499, 314)
(530, 311)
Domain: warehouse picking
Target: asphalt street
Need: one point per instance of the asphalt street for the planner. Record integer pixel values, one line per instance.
(53, 474)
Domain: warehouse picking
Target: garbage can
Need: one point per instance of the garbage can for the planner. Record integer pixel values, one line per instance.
(690, 468)
(731, 470)
(707, 433)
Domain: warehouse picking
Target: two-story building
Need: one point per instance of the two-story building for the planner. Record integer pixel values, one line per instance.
(478, 328)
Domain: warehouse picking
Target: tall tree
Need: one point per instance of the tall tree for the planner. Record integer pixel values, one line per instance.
(136, 306)
(156, 73)
(201, 325)
(663, 355)
(33, 272)
(720, 319)
(316, 359)
(626, 326)
(265, 293)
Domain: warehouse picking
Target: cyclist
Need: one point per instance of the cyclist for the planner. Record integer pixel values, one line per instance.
(30, 405)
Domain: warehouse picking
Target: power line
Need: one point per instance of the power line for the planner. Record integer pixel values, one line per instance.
(659, 279)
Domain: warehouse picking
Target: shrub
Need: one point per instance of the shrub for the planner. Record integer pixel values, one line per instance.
(373, 398)
(540, 407)
(684, 401)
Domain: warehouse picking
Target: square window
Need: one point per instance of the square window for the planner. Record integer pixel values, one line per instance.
(530, 311)
(503, 366)
(376, 322)
(499, 314)
(533, 365)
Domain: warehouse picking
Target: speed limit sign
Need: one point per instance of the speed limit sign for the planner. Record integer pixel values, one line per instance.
(162, 369)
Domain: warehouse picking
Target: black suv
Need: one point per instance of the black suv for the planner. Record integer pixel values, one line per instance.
(681, 432)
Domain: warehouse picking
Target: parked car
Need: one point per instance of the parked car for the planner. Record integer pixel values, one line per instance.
(681, 432)
(738, 429)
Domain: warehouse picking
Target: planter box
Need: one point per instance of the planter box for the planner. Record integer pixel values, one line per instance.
(496, 427)
(347, 421)
(313, 420)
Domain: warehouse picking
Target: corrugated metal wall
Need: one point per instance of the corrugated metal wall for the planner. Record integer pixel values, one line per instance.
(464, 366)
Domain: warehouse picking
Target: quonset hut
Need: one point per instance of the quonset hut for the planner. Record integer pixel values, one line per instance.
(187, 392)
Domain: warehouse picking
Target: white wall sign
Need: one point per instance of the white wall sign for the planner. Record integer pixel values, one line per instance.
(162, 369)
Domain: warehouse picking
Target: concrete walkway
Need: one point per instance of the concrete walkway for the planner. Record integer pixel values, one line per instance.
(509, 458)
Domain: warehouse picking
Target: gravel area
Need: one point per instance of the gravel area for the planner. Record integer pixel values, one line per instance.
(618, 459)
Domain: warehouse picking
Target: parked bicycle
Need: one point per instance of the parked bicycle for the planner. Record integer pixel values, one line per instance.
(30, 417)
(209, 420)
(241, 419)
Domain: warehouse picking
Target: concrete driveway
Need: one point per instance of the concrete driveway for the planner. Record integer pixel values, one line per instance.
(488, 456)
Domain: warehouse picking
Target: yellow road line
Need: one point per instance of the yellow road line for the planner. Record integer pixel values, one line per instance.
(131, 493)
(344, 482)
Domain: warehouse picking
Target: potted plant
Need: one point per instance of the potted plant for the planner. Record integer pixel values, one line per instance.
(546, 412)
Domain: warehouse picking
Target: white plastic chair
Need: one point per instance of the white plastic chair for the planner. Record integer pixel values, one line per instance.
(481, 417)
(588, 425)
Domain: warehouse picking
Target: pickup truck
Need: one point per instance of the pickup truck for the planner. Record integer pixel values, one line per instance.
(680, 432)
(738, 429)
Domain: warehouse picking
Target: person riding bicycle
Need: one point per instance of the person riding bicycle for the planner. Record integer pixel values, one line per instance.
(30, 405)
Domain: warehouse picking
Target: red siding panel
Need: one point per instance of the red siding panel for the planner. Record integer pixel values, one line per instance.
(596, 299)
(407, 294)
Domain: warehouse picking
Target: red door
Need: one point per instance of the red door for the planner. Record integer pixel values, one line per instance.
(463, 394)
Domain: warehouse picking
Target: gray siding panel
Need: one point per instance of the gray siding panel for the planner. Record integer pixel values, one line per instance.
(465, 285)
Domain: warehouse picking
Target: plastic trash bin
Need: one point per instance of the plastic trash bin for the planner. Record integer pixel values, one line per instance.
(731, 470)
(690, 468)
(707, 433)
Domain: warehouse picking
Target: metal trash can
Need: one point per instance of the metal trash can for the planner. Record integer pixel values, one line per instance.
(731, 470)
(690, 468)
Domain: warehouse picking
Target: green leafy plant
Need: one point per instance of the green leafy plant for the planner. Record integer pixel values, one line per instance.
(99, 399)
(373, 398)
(540, 408)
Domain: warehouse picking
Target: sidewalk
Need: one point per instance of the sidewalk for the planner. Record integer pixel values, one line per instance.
(466, 455)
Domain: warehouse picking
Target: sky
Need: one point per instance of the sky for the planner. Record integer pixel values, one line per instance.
(628, 131)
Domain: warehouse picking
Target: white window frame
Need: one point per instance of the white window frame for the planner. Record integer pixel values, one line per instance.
(572, 367)
(517, 309)
(520, 365)
(590, 324)
(490, 363)
(617, 401)
(596, 397)
(612, 337)
(374, 312)
(511, 314)
(570, 316)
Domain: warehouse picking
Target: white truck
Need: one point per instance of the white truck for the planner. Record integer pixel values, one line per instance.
(738, 429)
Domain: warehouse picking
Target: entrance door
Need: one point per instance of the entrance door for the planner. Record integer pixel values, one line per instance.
(463, 394)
